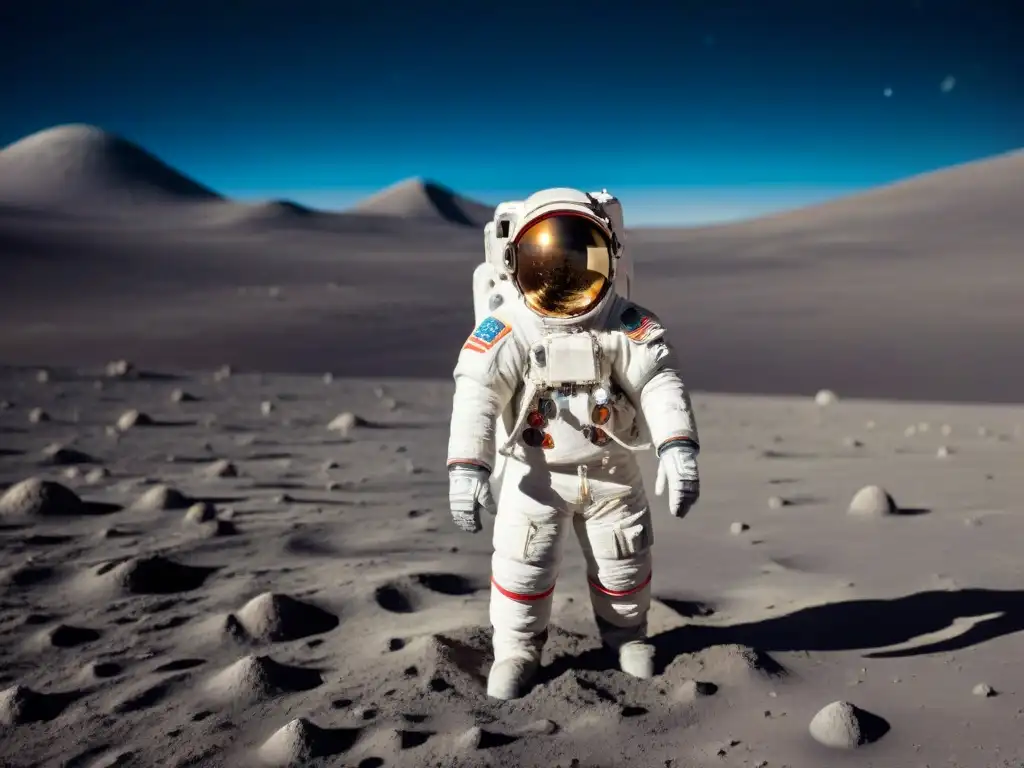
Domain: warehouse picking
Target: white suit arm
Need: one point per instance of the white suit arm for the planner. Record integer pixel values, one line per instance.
(486, 377)
(649, 373)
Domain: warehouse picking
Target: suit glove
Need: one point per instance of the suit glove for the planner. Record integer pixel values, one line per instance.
(469, 491)
(677, 471)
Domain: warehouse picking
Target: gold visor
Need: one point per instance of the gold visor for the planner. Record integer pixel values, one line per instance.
(563, 264)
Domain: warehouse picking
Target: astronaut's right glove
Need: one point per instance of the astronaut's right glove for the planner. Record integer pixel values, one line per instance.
(677, 469)
(469, 491)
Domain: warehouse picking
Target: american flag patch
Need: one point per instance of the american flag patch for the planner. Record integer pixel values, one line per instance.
(638, 326)
(490, 331)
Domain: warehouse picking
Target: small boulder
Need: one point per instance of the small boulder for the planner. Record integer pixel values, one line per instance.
(181, 396)
(133, 418)
(38, 416)
(345, 423)
(872, 501)
(825, 397)
(120, 369)
(201, 512)
(161, 498)
(35, 497)
(842, 725)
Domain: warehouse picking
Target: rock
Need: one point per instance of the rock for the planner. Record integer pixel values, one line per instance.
(35, 497)
(71, 473)
(910, 431)
(160, 498)
(984, 690)
(266, 407)
(6, 405)
(869, 424)
(852, 442)
(345, 423)
(946, 430)
(842, 725)
(38, 416)
(133, 418)
(201, 512)
(943, 452)
(181, 396)
(825, 397)
(220, 468)
(328, 378)
(777, 502)
(42, 376)
(737, 528)
(63, 456)
(923, 426)
(96, 475)
(120, 369)
(872, 501)
(222, 373)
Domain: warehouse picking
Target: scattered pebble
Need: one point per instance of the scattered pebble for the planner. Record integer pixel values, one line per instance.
(42, 376)
(737, 528)
(910, 431)
(943, 452)
(852, 442)
(946, 430)
(776, 502)
(983, 689)
(222, 373)
(328, 378)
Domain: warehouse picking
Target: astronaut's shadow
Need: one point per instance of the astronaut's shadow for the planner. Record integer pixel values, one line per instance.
(854, 625)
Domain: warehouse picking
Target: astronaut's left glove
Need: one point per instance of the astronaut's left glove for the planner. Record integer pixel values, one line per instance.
(469, 491)
(677, 469)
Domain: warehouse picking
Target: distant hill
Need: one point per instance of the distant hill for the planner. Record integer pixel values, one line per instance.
(84, 166)
(419, 198)
(976, 199)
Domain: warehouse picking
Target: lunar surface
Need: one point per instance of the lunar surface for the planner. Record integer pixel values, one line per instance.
(224, 535)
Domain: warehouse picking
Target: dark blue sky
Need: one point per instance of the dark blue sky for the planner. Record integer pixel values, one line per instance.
(689, 110)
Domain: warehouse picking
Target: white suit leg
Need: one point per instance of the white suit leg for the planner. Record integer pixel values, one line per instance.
(529, 537)
(616, 536)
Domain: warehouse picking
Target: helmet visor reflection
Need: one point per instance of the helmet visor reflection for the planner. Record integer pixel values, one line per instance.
(563, 264)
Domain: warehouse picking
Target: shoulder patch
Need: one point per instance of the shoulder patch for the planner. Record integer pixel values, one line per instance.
(638, 325)
(490, 331)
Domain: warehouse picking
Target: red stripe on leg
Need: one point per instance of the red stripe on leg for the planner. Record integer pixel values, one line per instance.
(519, 597)
(625, 592)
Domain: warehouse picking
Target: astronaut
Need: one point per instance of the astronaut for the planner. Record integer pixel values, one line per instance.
(558, 387)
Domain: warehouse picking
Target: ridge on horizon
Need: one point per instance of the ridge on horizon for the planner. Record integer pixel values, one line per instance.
(80, 165)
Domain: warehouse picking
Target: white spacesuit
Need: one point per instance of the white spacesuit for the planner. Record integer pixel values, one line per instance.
(555, 391)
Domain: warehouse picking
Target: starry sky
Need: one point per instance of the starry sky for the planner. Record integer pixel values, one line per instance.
(691, 111)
